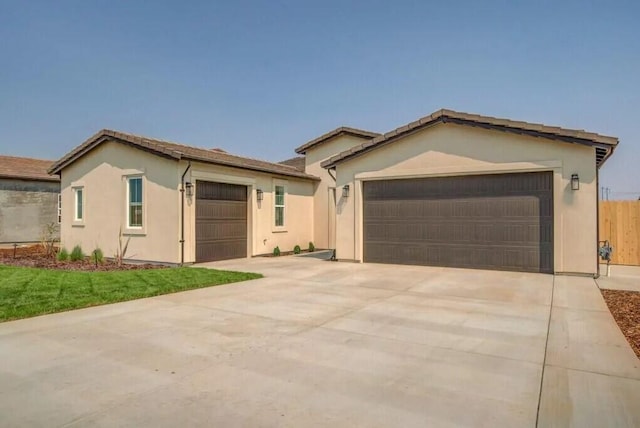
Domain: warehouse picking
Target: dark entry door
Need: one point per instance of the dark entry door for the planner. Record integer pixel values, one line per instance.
(499, 221)
(221, 221)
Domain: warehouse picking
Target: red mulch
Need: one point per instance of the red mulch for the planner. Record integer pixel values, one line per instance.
(34, 256)
(625, 308)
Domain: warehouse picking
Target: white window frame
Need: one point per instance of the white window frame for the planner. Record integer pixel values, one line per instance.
(83, 198)
(128, 203)
(283, 227)
(60, 208)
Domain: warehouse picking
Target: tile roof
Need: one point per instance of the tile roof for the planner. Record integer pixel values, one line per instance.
(26, 168)
(343, 130)
(604, 144)
(177, 151)
(299, 163)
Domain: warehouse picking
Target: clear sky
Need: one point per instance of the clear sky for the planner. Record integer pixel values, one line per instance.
(260, 78)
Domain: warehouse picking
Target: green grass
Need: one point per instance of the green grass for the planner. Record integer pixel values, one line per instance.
(27, 292)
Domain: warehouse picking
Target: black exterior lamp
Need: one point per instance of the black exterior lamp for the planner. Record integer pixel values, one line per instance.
(575, 182)
(345, 191)
(259, 195)
(188, 188)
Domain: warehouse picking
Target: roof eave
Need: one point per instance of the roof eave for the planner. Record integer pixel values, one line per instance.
(253, 168)
(29, 178)
(444, 116)
(101, 137)
(343, 130)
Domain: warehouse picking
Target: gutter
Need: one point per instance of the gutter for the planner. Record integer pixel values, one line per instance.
(597, 275)
(182, 214)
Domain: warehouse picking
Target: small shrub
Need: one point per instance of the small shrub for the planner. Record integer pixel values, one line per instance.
(122, 249)
(98, 256)
(76, 254)
(312, 247)
(63, 255)
(296, 249)
(276, 251)
(48, 239)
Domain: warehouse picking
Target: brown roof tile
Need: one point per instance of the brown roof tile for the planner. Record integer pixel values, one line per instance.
(177, 151)
(604, 144)
(26, 168)
(299, 163)
(343, 130)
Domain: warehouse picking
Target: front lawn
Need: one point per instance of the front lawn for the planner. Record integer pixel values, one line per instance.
(27, 292)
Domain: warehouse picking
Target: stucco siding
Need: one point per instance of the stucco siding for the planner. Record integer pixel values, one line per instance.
(26, 208)
(263, 236)
(447, 149)
(314, 157)
(102, 173)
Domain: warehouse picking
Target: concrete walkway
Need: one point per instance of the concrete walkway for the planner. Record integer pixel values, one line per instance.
(622, 278)
(591, 375)
(317, 343)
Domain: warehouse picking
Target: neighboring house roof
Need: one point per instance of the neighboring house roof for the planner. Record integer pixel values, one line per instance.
(343, 130)
(177, 152)
(26, 168)
(299, 163)
(604, 144)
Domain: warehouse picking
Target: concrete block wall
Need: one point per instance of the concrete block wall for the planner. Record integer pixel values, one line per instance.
(26, 207)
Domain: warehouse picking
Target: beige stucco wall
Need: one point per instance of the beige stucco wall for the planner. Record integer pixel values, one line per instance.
(263, 235)
(102, 173)
(313, 158)
(448, 149)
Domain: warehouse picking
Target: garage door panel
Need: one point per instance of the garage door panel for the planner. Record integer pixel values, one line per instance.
(455, 231)
(442, 188)
(506, 207)
(221, 221)
(221, 210)
(477, 257)
(491, 221)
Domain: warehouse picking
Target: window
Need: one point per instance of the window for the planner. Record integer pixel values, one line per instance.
(134, 211)
(59, 208)
(279, 206)
(79, 195)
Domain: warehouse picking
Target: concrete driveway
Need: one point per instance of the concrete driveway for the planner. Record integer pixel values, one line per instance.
(317, 343)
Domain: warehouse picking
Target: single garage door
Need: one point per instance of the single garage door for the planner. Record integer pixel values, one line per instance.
(499, 221)
(221, 221)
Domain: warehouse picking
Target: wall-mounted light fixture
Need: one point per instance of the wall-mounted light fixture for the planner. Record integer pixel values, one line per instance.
(575, 182)
(345, 191)
(188, 187)
(259, 195)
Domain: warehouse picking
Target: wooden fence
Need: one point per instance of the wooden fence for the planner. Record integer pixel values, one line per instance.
(620, 225)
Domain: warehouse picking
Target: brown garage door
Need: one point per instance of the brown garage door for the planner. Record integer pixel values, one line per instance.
(500, 221)
(221, 221)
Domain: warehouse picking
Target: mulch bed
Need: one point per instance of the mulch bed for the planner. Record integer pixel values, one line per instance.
(35, 256)
(625, 308)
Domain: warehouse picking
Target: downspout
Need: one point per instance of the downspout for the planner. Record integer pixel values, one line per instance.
(332, 176)
(335, 201)
(597, 275)
(182, 215)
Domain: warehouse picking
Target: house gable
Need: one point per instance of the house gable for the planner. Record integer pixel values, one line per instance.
(176, 152)
(338, 132)
(604, 144)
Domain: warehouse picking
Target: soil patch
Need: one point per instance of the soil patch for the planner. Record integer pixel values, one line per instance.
(35, 256)
(625, 308)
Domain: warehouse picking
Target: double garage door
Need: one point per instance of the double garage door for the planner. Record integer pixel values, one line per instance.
(500, 221)
(221, 221)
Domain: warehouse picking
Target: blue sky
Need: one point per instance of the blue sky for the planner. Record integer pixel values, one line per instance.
(261, 78)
